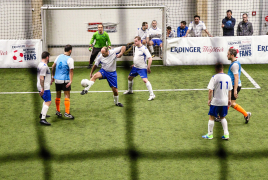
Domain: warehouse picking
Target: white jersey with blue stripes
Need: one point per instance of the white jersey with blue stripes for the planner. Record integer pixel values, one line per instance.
(155, 33)
(143, 34)
(221, 84)
(108, 63)
(141, 55)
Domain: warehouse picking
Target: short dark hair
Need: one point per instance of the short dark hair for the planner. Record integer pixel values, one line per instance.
(144, 23)
(184, 22)
(233, 51)
(196, 16)
(218, 67)
(229, 11)
(45, 54)
(138, 37)
(100, 25)
(245, 14)
(67, 48)
(168, 28)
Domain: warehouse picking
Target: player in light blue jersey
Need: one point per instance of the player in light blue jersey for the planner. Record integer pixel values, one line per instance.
(107, 59)
(62, 71)
(140, 67)
(43, 86)
(234, 72)
(219, 98)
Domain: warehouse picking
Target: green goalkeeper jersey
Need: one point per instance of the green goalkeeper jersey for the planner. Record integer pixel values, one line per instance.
(101, 39)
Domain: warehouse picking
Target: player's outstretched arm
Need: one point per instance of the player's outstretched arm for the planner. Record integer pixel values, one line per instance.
(208, 33)
(123, 49)
(187, 33)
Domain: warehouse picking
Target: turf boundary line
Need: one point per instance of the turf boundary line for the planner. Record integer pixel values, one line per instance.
(159, 90)
(250, 79)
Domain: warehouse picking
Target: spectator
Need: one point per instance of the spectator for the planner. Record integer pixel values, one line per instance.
(143, 33)
(228, 24)
(245, 28)
(181, 31)
(196, 27)
(170, 33)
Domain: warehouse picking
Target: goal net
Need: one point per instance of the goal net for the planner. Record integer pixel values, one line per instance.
(76, 26)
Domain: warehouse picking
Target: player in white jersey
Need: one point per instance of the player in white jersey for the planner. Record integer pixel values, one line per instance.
(107, 59)
(155, 34)
(140, 67)
(143, 33)
(196, 27)
(43, 86)
(219, 98)
(170, 33)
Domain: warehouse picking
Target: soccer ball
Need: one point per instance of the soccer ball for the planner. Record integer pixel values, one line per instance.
(18, 56)
(85, 82)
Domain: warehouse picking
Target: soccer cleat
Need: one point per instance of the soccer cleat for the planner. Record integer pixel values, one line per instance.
(40, 116)
(226, 137)
(208, 136)
(44, 122)
(128, 92)
(84, 92)
(248, 117)
(217, 119)
(119, 104)
(151, 97)
(153, 55)
(58, 114)
(89, 66)
(68, 115)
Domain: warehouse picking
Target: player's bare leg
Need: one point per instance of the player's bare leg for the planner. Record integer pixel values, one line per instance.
(96, 76)
(116, 97)
(151, 48)
(130, 84)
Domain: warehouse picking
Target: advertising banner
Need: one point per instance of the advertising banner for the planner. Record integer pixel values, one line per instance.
(20, 53)
(208, 51)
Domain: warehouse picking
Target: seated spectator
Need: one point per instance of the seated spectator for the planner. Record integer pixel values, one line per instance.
(181, 31)
(196, 28)
(155, 34)
(245, 28)
(228, 24)
(170, 33)
(143, 33)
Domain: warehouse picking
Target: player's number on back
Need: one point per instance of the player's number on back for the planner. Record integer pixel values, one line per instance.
(60, 65)
(226, 84)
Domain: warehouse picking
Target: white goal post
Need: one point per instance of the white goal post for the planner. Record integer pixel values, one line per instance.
(73, 25)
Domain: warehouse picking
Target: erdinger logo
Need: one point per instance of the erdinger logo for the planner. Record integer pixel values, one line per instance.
(263, 48)
(185, 49)
(211, 49)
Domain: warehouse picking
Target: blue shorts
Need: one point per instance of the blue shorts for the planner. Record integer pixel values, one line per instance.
(46, 96)
(110, 76)
(135, 72)
(157, 42)
(218, 110)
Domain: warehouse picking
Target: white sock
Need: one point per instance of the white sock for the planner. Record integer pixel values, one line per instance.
(149, 87)
(225, 126)
(44, 111)
(151, 49)
(210, 127)
(90, 83)
(130, 84)
(116, 98)
(43, 106)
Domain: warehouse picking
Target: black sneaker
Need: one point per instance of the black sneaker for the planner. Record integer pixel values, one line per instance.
(44, 122)
(84, 92)
(119, 104)
(40, 116)
(89, 66)
(58, 114)
(217, 119)
(248, 117)
(68, 115)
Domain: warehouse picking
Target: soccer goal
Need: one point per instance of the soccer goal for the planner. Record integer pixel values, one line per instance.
(76, 25)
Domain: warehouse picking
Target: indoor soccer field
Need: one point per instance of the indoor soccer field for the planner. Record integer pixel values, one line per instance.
(149, 140)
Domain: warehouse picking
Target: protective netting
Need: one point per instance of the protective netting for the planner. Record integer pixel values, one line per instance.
(21, 19)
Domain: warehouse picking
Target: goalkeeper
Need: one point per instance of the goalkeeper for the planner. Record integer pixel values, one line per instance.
(101, 40)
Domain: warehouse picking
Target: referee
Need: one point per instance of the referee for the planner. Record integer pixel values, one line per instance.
(102, 39)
